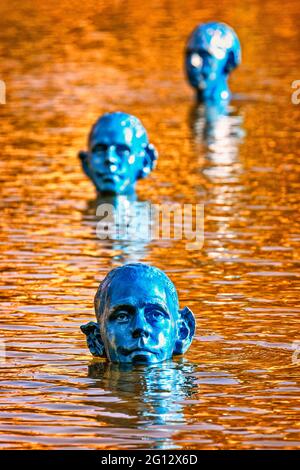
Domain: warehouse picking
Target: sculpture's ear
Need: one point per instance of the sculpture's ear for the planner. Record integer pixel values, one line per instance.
(83, 155)
(234, 56)
(93, 339)
(186, 331)
(149, 162)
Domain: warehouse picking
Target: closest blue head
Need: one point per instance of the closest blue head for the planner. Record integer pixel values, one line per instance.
(138, 317)
(119, 153)
(212, 52)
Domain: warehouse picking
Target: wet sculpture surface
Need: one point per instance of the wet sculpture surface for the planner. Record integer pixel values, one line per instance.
(212, 52)
(138, 317)
(119, 153)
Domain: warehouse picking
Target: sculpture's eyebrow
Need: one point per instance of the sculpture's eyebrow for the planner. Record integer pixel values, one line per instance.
(156, 305)
(122, 306)
(97, 144)
(192, 50)
(162, 308)
(131, 302)
(199, 50)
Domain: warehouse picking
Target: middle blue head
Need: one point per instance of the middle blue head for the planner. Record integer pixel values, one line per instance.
(119, 153)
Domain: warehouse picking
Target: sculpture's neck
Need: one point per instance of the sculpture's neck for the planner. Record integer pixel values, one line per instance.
(216, 94)
(129, 192)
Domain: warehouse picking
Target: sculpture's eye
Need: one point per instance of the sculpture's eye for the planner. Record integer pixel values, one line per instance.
(156, 315)
(95, 160)
(121, 316)
(196, 60)
(100, 148)
(122, 150)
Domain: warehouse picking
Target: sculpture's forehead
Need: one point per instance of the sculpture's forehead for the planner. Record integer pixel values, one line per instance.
(140, 292)
(214, 39)
(112, 134)
(114, 129)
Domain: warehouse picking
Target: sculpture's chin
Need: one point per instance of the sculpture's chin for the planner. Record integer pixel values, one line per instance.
(108, 192)
(143, 359)
(207, 95)
(111, 189)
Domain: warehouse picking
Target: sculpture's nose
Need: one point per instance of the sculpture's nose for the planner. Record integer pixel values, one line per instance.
(140, 333)
(140, 327)
(110, 159)
(205, 72)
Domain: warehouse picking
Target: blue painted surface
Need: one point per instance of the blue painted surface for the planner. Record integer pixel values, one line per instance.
(119, 153)
(138, 317)
(212, 52)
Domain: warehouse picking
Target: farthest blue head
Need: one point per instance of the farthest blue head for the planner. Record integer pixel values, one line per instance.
(212, 52)
(119, 153)
(138, 317)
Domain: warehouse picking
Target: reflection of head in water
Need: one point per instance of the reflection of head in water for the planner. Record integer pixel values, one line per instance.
(154, 393)
(138, 316)
(116, 200)
(217, 127)
(119, 153)
(217, 138)
(121, 224)
(115, 217)
(212, 52)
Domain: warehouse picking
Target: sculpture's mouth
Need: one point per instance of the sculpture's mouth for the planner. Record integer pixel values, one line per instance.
(109, 183)
(136, 351)
(109, 177)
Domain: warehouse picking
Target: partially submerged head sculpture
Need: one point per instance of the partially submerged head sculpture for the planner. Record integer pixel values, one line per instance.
(138, 317)
(212, 52)
(119, 153)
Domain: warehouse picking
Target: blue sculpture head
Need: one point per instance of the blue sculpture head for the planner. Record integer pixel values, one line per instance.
(212, 52)
(138, 317)
(119, 153)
